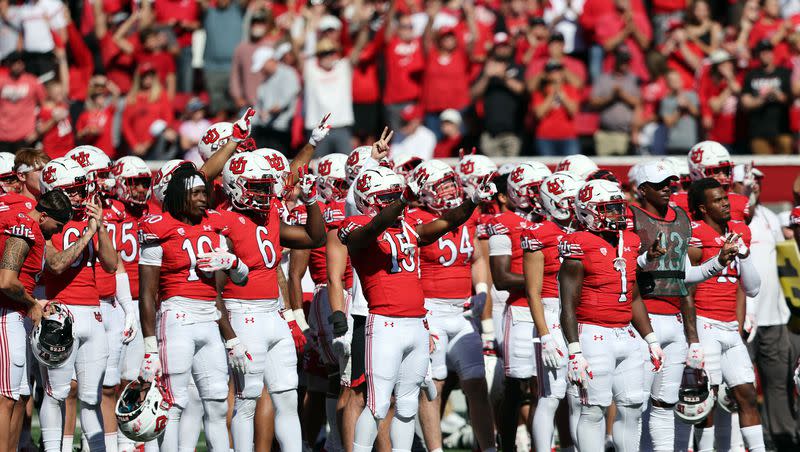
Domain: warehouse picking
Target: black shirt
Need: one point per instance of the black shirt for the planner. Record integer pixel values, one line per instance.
(503, 109)
(772, 118)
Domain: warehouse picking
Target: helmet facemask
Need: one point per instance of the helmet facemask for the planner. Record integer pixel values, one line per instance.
(721, 172)
(444, 194)
(333, 188)
(131, 194)
(611, 215)
(257, 193)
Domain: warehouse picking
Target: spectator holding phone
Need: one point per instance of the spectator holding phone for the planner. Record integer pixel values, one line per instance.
(95, 124)
(766, 96)
(555, 105)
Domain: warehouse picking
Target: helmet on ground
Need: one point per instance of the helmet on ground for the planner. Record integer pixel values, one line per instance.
(164, 175)
(710, 159)
(579, 165)
(695, 399)
(442, 190)
(523, 185)
(376, 188)
(600, 206)
(557, 194)
(51, 340)
(130, 171)
(472, 169)
(251, 182)
(332, 172)
(142, 410)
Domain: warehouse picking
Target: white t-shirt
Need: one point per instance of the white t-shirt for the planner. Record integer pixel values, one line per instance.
(420, 144)
(328, 92)
(36, 19)
(568, 26)
(766, 233)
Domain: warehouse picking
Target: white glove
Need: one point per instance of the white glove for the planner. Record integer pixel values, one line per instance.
(151, 364)
(695, 358)
(414, 185)
(578, 371)
(238, 356)
(474, 307)
(551, 354)
(320, 132)
(750, 321)
(308, 187)
(484, 191)
(218, 259)
(656, 353)
(130, 329)
(241, 128)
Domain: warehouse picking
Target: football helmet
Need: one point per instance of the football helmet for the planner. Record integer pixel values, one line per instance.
(7, 173)
(216, 136)
(51, 339)
(710, 159)
(441, 190)
(405, 165)
(97, 166)
(472, 169)
(376, 188)
(130, 171)
(356, 160)
(251, 182)
(523, 185)
(579, 165)
(164, 175)
(725, 399)
(600, 206)
(557, 194)
(332, 172)
(68, 175)
(695, 399)
(142, 410)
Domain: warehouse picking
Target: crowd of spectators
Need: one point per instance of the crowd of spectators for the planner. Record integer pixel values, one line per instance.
(512, 77)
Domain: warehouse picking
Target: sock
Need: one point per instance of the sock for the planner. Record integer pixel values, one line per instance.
(214, 424)
(439, 449)
(92, 426)
(66, 443)
(722, 429)
(753, 438)
(737, 442)
(151, 446)
(287, 421)
(51, 417)
(366, 431)
(683, 435)
(704, 437)
(591, 428)
(626, 427)
(662, 428)
(333, 442)
(111, 442)
(543, 426)
(242, 429)
(402, 433)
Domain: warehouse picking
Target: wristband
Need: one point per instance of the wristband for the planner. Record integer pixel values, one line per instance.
(573, 348)
(300, 317)
(642, 260)
(750, 306)
(288, 315)
(150, 345)
(481, 287)
(651, 338)
(487, 326)
(230, 343)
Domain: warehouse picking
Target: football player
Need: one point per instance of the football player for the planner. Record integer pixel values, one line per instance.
(15, 195)
(579, 165)
(447, 283)
(716, 301)
(251, 183)
(600, 308)
(28, 165)
(71, 259)
(22, 243)
(540, 264)
(382, 247)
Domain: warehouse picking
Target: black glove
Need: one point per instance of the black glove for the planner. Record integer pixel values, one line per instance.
(339, 322)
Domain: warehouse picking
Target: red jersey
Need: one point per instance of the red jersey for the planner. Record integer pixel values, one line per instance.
(113, 216)
(18, 101)
(446, 265)
(607, 292)
(512, 225)
(404, 66)
(128, 245)
(76, 285)
(102, 121)
(24, 227)
(388, 269)
(180, 244)
(446, 81)
(14, 203)
(558, 123)
(740, 205)
(258, 245)
(333, 215)
(715, 298)
(545, 237)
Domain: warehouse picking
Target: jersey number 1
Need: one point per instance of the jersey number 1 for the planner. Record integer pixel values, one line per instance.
(189, 248)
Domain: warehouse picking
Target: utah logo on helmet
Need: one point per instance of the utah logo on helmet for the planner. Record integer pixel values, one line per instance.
(49, 175)
(364, 182)
(324, 168)
(467, 167)
(555, 186)
(585, 194)
(238, 165)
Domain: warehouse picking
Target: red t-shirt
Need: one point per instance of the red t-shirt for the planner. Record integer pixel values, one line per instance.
(103, 121)
(22, 226)
(168, 11)
(668, 6)
(610, 25)
(119, 65)
(715, 298)
(140, 114)
(163, 62)
(606, 293)
(724, 122)
(81, 65)
(366, 88)
(57, 141)
(388, 269)
(545, 237)
(677, 62)
(557, 124)
(591, 17)
(12, 204)
(765, 28)
(404, 66)
(446, 81)
(652, 93)
(76, 285)
(18, 101)
(259, 246)
(447, 264)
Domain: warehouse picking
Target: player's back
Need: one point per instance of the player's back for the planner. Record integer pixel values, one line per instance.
(545, 237)
(24, 227)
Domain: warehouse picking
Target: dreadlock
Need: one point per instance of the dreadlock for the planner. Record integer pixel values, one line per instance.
(176, 197)
(697, 194)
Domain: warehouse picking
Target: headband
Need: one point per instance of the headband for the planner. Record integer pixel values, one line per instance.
(195, 181)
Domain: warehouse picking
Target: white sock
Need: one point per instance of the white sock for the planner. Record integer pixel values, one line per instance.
(92, 426)
(287, 421)
(151, 446)
(591, 429)
(333, 442)
(111, 442)
(542, 424)
(366, 431)
(242, 429)
(66, 443)
(402, 433)
(439, 449)
(737, 442)
(753, 438)
(662, 428)
(51, 417)
(214, 424)
(683, 435)
(626, 427)
(704, 437)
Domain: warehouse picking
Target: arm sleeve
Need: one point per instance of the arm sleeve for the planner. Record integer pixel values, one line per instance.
(699, 273)
(751, 281)
(499, 245)
(151, 254)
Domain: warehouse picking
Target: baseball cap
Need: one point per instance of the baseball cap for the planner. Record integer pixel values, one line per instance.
(719, 56)
(622, 53)
(411, 112)
(654, 172)
(557, 36)
(738, 173)
(762, 45)
(535, 21)
(195, 104)
(501, 38)
(329, 23)
(451, 115)
(260, 57)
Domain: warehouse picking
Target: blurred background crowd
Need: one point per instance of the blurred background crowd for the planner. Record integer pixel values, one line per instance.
(512, 77)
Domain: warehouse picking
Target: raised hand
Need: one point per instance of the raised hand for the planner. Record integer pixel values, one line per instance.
(241, 128)
(380, 148)
(656, 250)
(320, 132)
(308, 186)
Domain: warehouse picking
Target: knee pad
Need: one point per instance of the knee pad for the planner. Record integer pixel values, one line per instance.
(59, 392)
(592, 413)
(285, 401)
(215, 409)
(88, 395)
(244, 408)
(112, 376)
(407, 406)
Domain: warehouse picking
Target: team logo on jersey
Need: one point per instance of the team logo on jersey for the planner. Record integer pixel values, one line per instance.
(82, 158)
(467, 167)
(516, 175)
(98, 316)
(324, 168)
(207, 227)
(531, 244)
(181, 232)
(585, 195)
(555, 186)
(363, 183)
(603, 251)
(697, 155)
(242, 220)
(22, 231)
(49, 175)
(211, 136)
(238, 165)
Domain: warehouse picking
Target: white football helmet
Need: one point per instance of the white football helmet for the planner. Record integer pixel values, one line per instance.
(710, 159)
(523, 185)
(130, 171)
(376, 188)
(251, 182)
(601, 206)
(442, 190)
(579, 165)
(66, 174)
(7, 173)
(51, 339)
(695, 399)
(557, 194)
(725, 399)
(332, 172)
(143, 419)
(164, 175)
(472, 169)
(97, 166)
(216, 136)
(405, 164)
(356, 160)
